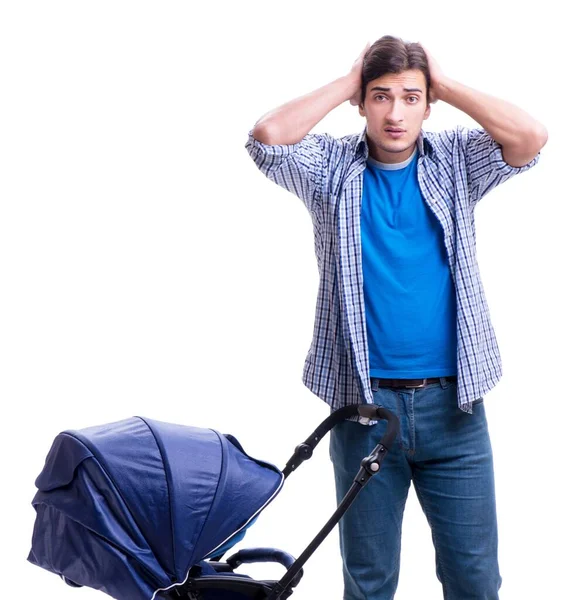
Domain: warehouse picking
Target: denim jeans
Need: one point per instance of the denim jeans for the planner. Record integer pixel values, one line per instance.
(447, 454)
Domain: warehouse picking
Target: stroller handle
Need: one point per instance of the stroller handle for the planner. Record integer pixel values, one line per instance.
(373, 412)
(370, 465)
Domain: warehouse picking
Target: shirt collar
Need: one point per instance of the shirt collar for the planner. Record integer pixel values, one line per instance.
(423, 144)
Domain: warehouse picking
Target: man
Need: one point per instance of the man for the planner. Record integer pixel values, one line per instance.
(401, 317)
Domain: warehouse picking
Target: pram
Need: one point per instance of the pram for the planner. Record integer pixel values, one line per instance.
(146, 510)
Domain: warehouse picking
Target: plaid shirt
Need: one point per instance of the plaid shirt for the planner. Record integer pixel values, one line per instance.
(455, 170)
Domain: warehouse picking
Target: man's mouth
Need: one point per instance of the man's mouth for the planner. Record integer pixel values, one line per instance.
(394, 132)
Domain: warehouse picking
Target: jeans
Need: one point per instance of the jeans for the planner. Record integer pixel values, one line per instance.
(447, 454)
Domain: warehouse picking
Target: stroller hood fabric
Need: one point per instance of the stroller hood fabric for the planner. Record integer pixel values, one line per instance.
(129, 507)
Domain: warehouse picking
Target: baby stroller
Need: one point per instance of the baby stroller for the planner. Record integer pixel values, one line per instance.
(146, 510)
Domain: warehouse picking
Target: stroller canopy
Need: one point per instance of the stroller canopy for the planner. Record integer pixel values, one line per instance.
(130, 507)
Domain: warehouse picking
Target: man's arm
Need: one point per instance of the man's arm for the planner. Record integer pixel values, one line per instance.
(519, 134)
(291, 122)
(282, 147)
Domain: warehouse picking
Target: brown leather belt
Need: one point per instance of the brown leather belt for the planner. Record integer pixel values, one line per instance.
(409, 383)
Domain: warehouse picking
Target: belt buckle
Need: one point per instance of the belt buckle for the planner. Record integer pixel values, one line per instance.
(416, 387)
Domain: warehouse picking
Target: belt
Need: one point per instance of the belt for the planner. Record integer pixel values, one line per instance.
(409, 383)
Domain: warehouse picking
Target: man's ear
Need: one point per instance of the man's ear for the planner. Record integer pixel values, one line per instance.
(427, 112)
(361, 109)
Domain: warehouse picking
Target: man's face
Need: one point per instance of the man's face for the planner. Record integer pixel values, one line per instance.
(395, 107)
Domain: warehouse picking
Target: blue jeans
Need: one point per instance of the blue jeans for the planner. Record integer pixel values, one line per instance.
(447, 454)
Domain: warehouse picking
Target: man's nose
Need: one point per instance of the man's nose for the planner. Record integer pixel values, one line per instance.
(395, 113)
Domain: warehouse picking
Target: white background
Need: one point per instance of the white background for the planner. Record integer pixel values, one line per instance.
(148, 268)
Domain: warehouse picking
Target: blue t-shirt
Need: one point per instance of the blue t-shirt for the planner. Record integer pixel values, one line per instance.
(408, 288)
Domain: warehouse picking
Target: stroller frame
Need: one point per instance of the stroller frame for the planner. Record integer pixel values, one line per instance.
(252, 589)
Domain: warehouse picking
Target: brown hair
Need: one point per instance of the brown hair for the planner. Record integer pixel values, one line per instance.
(392, 55)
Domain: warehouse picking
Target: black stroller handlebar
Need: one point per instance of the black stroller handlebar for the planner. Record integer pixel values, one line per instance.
(370, 466)
(373, 412)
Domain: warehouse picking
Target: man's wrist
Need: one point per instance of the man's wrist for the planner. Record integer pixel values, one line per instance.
(352, 83)
(443, 88)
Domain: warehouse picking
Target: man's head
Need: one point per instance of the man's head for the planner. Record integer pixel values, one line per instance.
(395, 97)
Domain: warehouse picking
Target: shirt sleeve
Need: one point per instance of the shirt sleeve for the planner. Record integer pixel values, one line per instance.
(486, 167)
(299, 168)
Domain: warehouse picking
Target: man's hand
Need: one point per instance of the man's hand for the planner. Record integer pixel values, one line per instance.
(355, 74)
(289, 123)
(519, 134)
(437, 76)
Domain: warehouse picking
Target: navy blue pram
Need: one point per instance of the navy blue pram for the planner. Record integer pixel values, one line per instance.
(146, 510)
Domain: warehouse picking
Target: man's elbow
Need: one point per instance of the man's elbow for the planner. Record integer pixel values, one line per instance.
(540, 136)
(533, 140)
(265, 133)
(527, 147)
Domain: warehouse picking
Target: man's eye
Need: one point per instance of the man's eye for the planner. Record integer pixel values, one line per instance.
(380, 97)
(413, 99)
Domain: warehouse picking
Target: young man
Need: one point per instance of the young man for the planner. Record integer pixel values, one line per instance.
(401, 316)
